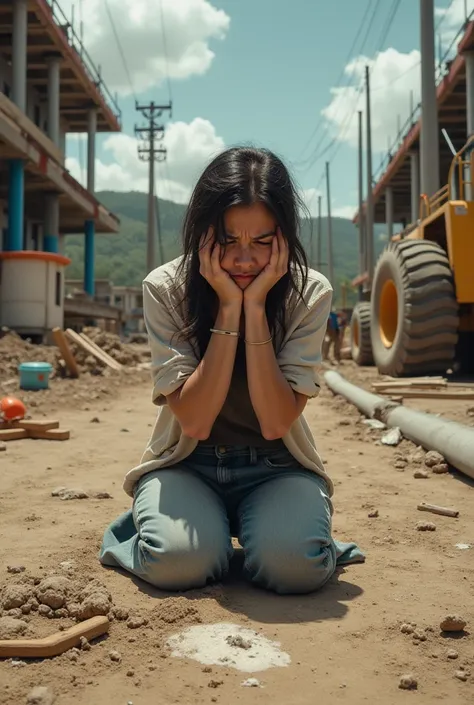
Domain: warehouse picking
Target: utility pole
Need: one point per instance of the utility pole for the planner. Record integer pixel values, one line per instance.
(369, 212)
(362, 248)
(151, 153)
(330, 260)
(319, 243)
(429, 141)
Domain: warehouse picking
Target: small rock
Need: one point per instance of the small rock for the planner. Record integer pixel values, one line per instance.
(72, 655)
(433, 458)
(115, 656)
(11, 627)
(103, 495)
(251, 683)
(453, 623)
(452, 654)
(45, 611)
(373, 514)
(130, 673)
(421, 474)
(215, 684)
(95, 419)
(407, 628)
(15, 596)
(418, 635)
(408, 682)
(125, 430)
(440, 469)
(239, 641)
(121, 613)
(66, 494)
(61, 613)
(399, 465)
(16, 568)
(461, 675)
(425, 526)
(137, 622)
(84, 644)
(41, 696)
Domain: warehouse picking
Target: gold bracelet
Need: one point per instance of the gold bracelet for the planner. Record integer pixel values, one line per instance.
(262, 342)
(232, 333)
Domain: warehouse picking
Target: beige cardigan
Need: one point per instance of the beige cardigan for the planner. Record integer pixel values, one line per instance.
(173, 361)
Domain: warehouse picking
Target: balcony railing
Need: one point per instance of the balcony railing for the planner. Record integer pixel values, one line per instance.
(76, 43)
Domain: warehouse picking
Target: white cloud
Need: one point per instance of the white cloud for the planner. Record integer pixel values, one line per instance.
(448, 20)
(345, 212)
(190, 146)
(189, 27)
(393, 76)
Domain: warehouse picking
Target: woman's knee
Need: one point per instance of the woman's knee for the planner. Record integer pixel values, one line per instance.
(290, 568)
(174, 564)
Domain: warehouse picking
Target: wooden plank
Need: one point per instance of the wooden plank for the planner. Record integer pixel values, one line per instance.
(12, 434)
(66, 352)
(410, 383)
(432, 394)
(31, 424)
(97, 353)
(55, 434)
(111, 359)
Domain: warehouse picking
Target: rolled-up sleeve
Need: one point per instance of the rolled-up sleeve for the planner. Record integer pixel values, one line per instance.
(300, 355)
(172, 359)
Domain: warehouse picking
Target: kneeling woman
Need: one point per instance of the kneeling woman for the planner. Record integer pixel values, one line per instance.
(235, 327)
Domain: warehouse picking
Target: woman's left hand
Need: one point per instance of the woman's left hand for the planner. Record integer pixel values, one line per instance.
(277, 267)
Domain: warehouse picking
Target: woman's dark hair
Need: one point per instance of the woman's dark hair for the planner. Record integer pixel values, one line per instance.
(240, 176)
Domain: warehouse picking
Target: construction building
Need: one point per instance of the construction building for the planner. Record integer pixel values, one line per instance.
(49, 88)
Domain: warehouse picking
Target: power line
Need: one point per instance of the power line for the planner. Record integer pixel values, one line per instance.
(120, 48)
(341, 75)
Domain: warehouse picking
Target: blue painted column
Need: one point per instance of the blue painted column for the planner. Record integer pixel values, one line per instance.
(89, 258)
(16, 205)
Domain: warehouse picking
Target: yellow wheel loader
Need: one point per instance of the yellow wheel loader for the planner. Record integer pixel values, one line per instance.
(420, 319)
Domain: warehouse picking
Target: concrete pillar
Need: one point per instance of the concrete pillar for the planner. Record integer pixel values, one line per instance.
(19, 44)
(91, 134)
(389, 211)
(16, 205)
(54, 77)
(89, 249)
(469, 58)
(51, 223)
(89, 258)
(429, 138)
(415, 186)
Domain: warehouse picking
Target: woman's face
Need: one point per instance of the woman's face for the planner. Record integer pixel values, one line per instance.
(249, 232)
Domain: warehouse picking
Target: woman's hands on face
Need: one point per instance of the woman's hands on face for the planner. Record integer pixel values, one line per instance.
(277, 267)
(228, 293)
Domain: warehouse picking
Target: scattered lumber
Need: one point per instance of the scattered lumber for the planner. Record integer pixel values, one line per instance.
(43, 429)
(89, 346)
(66, 352)
(435, 509)
(459, 394)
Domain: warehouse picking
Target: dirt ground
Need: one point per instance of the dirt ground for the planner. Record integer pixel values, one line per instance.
(345, 643)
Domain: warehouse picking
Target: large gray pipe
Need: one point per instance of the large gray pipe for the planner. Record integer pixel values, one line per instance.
(453, 440)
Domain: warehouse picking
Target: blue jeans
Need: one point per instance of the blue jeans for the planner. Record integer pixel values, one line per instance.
(177, 536)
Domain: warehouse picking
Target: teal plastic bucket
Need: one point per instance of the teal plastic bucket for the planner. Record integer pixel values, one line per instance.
(34, 375)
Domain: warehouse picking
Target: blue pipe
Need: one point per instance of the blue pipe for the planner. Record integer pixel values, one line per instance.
(89, 258)
(51, 243)
(16, 205)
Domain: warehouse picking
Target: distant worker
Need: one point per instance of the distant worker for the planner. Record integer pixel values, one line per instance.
(333, 337)
(235, 328)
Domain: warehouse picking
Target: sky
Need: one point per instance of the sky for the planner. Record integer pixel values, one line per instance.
(272, 73)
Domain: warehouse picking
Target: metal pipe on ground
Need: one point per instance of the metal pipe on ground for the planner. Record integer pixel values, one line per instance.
(453, 440)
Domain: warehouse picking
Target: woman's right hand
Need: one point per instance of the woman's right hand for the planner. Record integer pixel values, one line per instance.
(228, 292)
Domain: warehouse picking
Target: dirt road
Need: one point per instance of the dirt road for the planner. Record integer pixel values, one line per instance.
(345, 643)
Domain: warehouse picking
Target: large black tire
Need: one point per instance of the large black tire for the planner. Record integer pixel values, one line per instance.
(414, 310)
(361, 345)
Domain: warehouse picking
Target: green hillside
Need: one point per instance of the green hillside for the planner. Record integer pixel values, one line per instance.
(122, 257)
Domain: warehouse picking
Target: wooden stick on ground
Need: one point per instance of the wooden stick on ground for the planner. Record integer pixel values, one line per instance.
(434, 509)
(56, 643)
(68, 357)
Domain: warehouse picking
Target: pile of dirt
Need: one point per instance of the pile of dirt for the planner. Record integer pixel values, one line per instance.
(14, 350)
(126, 353)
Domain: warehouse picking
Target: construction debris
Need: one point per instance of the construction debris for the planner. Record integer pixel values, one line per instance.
(434, 509)
(32, 428)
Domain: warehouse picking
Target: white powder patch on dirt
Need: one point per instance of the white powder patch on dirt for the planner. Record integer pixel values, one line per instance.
(228, 645)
